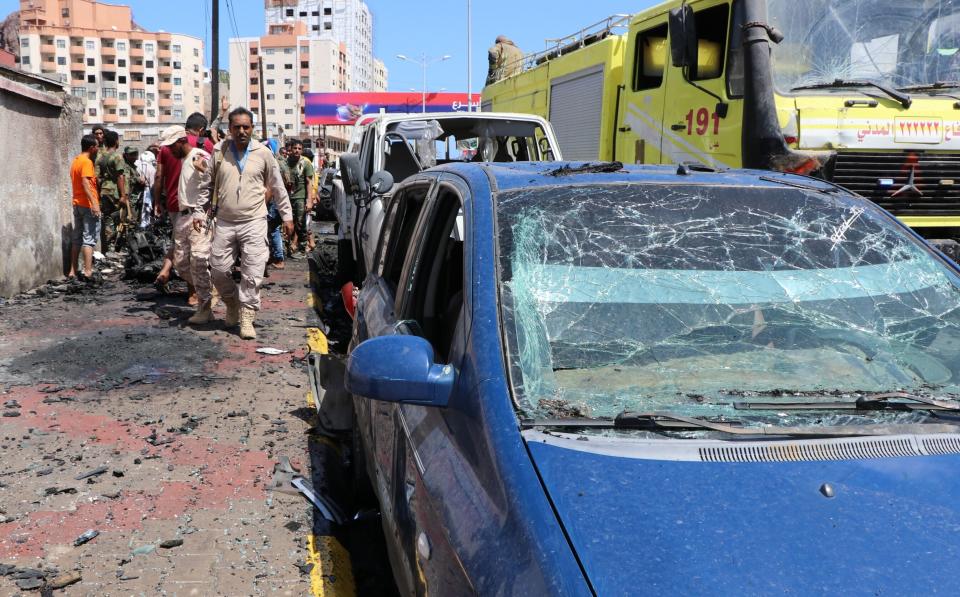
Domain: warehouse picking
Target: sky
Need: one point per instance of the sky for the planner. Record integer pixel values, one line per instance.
(412, 27)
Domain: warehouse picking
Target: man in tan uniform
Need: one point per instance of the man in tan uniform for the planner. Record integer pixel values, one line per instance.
(192, 233)
(505, 58)
(243, 171)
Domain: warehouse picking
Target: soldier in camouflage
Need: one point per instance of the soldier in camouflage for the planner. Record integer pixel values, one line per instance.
(301, 191)
(111, 177)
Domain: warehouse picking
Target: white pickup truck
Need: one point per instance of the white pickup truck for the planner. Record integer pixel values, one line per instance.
(387, 148)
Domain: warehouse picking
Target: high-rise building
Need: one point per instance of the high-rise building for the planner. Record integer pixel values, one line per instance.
(128, 76)
(270, 74)
(379, 75)
(347, 21)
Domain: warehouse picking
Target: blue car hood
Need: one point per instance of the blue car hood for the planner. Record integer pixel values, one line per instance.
(651, 525)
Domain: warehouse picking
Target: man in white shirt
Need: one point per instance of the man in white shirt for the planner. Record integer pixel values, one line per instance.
(192, 231)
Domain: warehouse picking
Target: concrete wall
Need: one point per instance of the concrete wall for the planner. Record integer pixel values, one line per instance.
(43, 129)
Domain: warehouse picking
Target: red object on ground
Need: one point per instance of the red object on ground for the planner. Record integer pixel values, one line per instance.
(348, 301)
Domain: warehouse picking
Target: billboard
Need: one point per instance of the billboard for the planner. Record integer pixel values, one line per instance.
(345, 108)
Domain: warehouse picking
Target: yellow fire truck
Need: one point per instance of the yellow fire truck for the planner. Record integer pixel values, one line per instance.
(865, 93)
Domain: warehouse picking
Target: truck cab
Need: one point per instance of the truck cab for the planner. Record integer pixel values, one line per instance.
(386, 149)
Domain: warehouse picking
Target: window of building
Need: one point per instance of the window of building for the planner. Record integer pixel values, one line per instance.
(254, 96)
(151, 96)
(136, 93)
(178, 97)
(138, 112)
(177, 81)
(304, 64)
(196, 99)
(150, 80)
(121, 46)
(65, 12)
(176, 65)
(289, 12)
(149, 64)
(316, 27)
(62, 44)
(109, 77)
(288, 81)
(62, 60)
(271, 81)
(91, 45)
(109, 92)
(270, 51)
(91, 78)
(271, 111)
(25, 60)
(123, 112)
(92, 111)
(196, 84)
(254, 81)
(288, 66)
(288, 126)
(196, 52)
(288, 50)
(78, 91)
(91, 62)
(303, 13)
(304, 80)
(196, 68)
(328, 26)
(148, 47)
(122, 79)
(269, 67)
(328, 11)
(271, 96)
(92, 95)
(178, 114)
(24, 42)
(122, 62)
(288, 111)
(152, 113)
(176, 48)
(122, 96)
(287, 96)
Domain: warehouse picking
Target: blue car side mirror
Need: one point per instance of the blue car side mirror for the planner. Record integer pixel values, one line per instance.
(399, 368)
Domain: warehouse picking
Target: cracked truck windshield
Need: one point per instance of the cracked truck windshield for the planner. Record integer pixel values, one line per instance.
(891, 42)
(674, 298)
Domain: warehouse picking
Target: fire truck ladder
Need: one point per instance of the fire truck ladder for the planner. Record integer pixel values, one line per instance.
(590, 34)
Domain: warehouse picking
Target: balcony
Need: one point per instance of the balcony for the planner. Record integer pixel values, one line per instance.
(110, 118)
(136, 52)
(164, 54)
(109, 67)
(137, 85)
(47, 49)
(165, 102)
(138, 102)
(105, 51)
(165, 86)
(77, 51)
(138, 118)
(109, 102)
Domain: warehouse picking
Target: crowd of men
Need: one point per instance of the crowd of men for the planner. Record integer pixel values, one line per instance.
(231, 202)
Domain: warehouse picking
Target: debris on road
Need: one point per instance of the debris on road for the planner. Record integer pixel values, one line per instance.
(95, 472)
(327, 507)
(171, 543)
(271, 351)
(84, 538)
(64, 580)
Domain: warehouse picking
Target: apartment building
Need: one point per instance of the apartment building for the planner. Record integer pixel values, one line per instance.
(379, 75)
(131, 79)
(292, 63)
(348, 21)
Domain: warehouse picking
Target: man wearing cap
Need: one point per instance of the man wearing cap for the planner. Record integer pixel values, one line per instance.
(191, 230)
(243, 171)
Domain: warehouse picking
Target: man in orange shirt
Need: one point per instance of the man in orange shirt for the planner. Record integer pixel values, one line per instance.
(86, 207)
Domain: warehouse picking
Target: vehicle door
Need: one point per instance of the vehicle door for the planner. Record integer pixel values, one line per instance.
(640, 122)
(695, 128)
(431, 304)
(376, 311)
(358, 212)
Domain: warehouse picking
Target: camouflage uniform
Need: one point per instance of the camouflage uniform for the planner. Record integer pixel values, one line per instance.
(110, 166)
(301, 175)
(505, 59)
(135, 188)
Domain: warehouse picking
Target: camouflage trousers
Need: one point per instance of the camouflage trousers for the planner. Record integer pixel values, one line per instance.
(191, 254)
(110, 208)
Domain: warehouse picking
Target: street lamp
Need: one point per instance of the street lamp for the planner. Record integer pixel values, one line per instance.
(424, 62)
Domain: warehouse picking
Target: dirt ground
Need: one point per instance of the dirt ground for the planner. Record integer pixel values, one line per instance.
(119, 418)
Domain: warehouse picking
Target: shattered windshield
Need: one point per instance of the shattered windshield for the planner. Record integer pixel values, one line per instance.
(891, 42)
(673, 298)
(441, 141)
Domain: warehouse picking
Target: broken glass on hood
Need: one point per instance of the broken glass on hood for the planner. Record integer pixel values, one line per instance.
(676, 298)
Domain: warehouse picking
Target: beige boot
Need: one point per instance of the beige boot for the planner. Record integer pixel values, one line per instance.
(246, 323)
(233, 312)
(203, 315)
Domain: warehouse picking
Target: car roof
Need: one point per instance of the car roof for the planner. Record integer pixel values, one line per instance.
(391, 117)
(517, 175)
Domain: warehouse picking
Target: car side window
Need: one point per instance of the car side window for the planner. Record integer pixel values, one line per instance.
(434, 276)
(396, 239)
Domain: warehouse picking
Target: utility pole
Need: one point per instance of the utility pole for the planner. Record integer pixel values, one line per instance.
(215, 67)
(263, 99)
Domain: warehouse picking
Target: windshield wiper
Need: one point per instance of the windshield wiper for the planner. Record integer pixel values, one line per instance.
(666, 422)
(931, 86)
(904, 99)
(868, 402)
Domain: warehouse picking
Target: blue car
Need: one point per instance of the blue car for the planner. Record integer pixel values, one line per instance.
(589, 379)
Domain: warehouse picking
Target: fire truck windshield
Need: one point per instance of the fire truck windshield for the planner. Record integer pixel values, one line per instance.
(890, 42)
